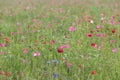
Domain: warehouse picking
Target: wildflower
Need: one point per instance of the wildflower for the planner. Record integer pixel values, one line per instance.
(89, 35)
(52, 42)
(55, 75)
(119, 22)
(112, 17)
(111, 21)
(69, 65)
(92, 72)
(93, 45)
(112, 41)
(2, 45)
(35, 54)
(114, 50)
(91, 21)
(12, 33)
(2, 53)
(60, 50)
(98, 35)
(99, 47)
(62, 46)
(66, 46)
(34, 20)
(48, 25)
(55, 61)
(113, 31)
(23, 60)
(97, 27)
(71, 28)
(24, 50)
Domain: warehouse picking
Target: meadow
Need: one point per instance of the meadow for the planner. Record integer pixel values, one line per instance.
(59, 39)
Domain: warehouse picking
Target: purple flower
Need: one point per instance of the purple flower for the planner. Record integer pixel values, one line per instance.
(55, 75)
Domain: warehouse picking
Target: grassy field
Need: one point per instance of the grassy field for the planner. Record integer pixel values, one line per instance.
(59, 39)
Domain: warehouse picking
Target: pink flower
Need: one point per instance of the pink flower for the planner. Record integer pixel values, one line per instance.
(111, 21)
(112, 41)
(60, 50)
(19, 31)
(24, 50)
(93, 45)
(48, 25)
(89, 35)
(69, 64)
(34, 20)
(98, 35)
(12, 33)
(103, 35)
(119, 22)
(52, 42)
(71, 28)
(23, 60)
(35, 54)
(61, 47)
(2, 53)
(66, 46)
(113, 31)
(112, 17)
(99, 47)
(114, 50)
(2, 45)
(97, 27)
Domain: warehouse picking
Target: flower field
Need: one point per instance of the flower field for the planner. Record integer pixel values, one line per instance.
(59, 39)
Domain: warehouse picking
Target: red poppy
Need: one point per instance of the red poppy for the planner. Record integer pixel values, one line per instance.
(113, 31)
(92, 72)
(59, 50)
(93, 45)
(89, 35)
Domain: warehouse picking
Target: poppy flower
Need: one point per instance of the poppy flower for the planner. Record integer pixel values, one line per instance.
(92, 72)
(12, 33)
(52, 42)
(36, 54)
(59, 50)
(93, 45)
(114, 50)
(2, 45)
(88, 35)
(69, 64)
(71, 28)
(119, 22)
(24, 50)
(113, 31)
(111, 21)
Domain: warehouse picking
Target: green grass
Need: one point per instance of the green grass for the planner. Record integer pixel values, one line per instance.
(104, 62)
